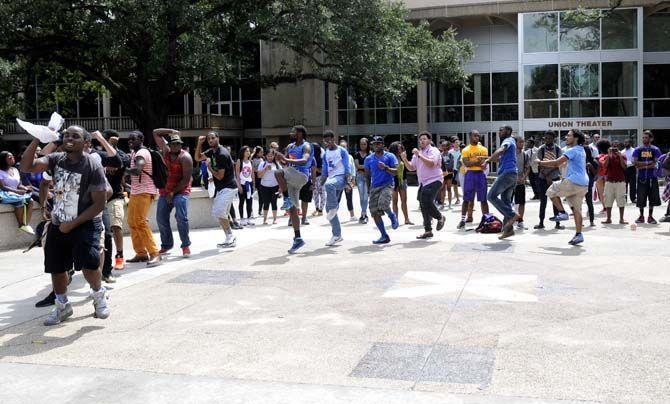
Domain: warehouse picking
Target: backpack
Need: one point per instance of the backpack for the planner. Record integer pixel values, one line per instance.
(489, 224)
(660, 169)
(159, 170)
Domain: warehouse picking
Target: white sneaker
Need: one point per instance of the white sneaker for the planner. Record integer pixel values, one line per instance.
(228, 243)
(60, 313)
(331, 214)
(333, 240)
(353, 219)
(100, 303)
(250, 222)
(520, 225)
(28, 229)
(243, 222)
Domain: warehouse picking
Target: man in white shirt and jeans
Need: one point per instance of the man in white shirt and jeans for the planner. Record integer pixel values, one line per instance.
(336, 176)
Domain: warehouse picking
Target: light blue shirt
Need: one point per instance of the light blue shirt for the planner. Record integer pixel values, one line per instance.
(576, 170)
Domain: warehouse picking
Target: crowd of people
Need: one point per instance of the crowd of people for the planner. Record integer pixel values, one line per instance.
(84, 182)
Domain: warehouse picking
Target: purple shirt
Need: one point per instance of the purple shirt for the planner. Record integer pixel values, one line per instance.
(426, 174)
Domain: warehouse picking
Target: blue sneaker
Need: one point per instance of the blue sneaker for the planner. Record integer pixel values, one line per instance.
(287, 203)
(297, 244)
(394, 222)
(382, 240)
(577, 239)
(560, 217)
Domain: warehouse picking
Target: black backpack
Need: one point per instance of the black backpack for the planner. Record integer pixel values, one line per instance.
(159, 169)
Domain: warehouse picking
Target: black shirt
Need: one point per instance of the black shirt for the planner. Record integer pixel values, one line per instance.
(220, 159)
(114, 172)
(360, 160)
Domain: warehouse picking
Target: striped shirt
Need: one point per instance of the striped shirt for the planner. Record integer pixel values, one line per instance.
(142, 184)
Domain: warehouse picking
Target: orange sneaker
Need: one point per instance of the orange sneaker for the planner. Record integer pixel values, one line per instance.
(119, 263)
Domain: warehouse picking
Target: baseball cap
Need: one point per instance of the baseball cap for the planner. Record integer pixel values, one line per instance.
(377, 139)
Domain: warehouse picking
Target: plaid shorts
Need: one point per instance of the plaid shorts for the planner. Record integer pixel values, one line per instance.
(380, 200)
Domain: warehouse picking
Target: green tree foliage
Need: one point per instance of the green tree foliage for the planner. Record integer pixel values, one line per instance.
(143, 51)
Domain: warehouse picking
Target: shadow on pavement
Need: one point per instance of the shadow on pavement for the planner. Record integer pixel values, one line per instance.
(33, 343)
(368, 249)
(419, 244)
(573, 251)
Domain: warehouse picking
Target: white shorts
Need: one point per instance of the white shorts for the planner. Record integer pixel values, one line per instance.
(222, 203)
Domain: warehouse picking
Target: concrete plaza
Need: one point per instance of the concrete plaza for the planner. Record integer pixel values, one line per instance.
(461, 318)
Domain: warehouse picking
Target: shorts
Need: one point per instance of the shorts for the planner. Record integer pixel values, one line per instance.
(449, 175)
(116, 212)
(222, 203)
(648, 189)
(398, 185)
(474, 182)
(306, 192)
(295, 180)
(567, 189)
(615, 191)
(519, 196)
(80, 247)
(380, 200)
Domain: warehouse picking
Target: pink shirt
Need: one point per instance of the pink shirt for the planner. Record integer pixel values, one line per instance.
(142, 184)
(428, 175)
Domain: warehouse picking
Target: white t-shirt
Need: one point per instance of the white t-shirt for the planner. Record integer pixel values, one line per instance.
(246, 168)
(335, 159)
(268, 180)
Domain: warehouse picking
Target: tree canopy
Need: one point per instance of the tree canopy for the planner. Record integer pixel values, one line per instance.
(143, 51)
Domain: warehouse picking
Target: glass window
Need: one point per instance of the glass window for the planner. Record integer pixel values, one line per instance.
(541, 81)
(579, 33)
(620, 29)
(362, 117)
(621, 135)
(408, 115)
(657, 81)
(657, 31)
(541, 109)
(540, 32)
(446, 114)
(410, 98)
(505, 87)
(341, 97)
(579, 80)
(506, 112)
(387, 116)
(481, 113)
(441, 94)
(656, 108)
(580, 108)
(252, 114)
(479, 92)
(619, 79)
(342, 117)
(621, 107)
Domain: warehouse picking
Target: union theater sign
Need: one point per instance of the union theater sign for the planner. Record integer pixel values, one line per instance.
(580, 124)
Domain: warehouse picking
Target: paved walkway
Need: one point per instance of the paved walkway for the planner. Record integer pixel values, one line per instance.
(462, 318)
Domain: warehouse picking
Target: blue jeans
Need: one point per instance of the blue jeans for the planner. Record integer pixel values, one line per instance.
(163, 210)
(500, 194)
(334, 187)
(362, 185)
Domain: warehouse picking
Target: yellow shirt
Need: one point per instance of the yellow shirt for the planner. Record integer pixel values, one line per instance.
(472, 152)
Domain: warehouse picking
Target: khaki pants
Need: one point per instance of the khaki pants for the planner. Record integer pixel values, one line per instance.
(138, 223)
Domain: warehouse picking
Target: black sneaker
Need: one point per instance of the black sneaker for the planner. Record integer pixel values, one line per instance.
(440, 223)
(236, 226)
(559, 226)
(47, 301)
(461, 225)
(538, 226)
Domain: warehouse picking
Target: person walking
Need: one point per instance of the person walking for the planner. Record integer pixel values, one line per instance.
(361, 181)
(615, 183)
(448, 165)
(293, 177)
(73, 236)
(522, 169)
(269, 187)
(474, 181)
(533, 174)
(645, 157)
(631, 172)
(318, 193)
(348, 191)
(220, 164)
(177, 191)
(591, 171)
(400, 183)
(256, 159)
(142, 193)
(427, 164)
(574, 185)
(547, 175)
(245, 177)
(380, 167)
(336, 178)
(500, 194)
